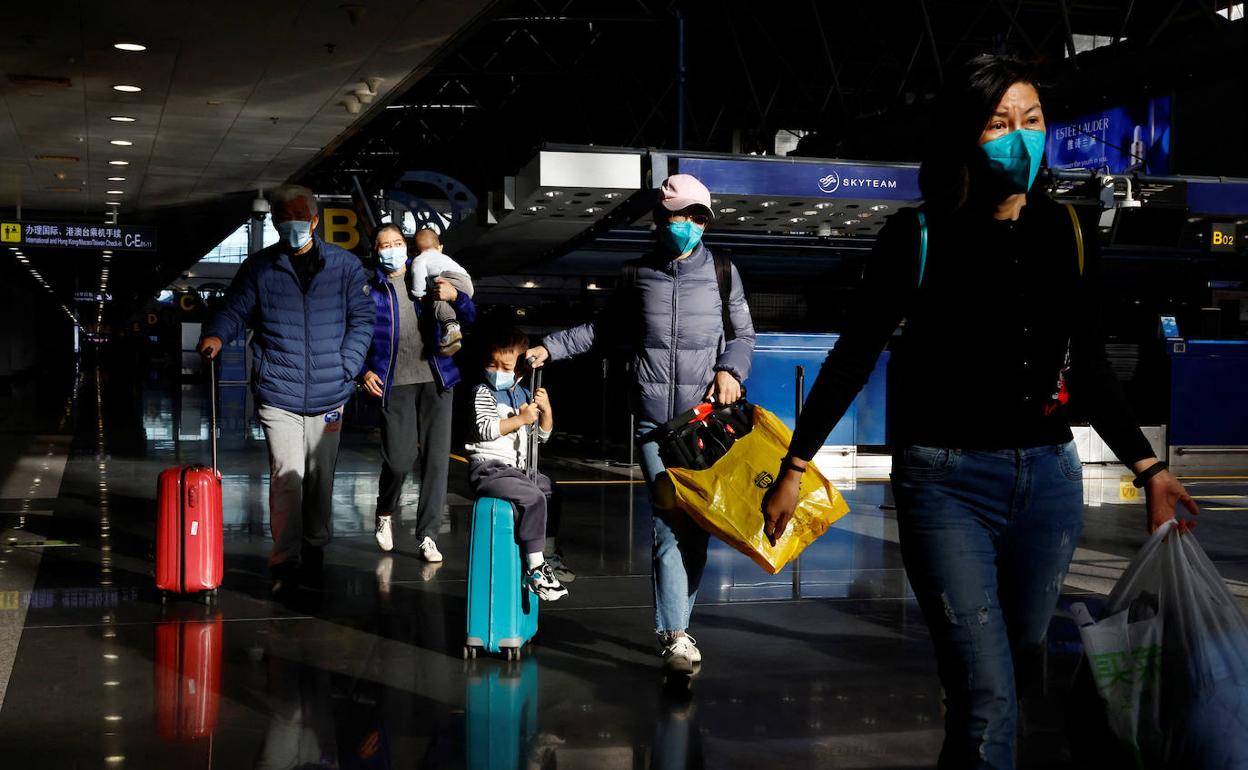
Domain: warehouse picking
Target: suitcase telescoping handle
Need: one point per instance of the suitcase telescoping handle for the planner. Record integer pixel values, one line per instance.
(213, 369)
(533, 443)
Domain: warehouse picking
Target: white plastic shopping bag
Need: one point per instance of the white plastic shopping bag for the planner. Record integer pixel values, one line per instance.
(1170, 659)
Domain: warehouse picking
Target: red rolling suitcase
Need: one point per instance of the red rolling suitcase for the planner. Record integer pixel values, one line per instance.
(188, 678)
(189, 557)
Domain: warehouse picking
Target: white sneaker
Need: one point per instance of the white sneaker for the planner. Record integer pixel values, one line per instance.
(541, 581)
(429, 551)
(680, 654)
(384, 534)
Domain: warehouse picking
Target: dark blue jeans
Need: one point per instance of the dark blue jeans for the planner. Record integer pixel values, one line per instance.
(986, 538)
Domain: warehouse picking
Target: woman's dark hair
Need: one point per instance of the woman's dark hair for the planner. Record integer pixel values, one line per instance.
(504, 339)
(385, 227)
(952, 165)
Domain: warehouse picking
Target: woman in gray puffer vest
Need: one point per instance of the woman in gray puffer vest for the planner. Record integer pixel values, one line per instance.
(668, 308)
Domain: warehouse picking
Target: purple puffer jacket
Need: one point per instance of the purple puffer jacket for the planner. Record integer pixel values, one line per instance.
(385, 343)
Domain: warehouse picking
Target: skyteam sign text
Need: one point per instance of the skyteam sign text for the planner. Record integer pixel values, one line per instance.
(787, 178)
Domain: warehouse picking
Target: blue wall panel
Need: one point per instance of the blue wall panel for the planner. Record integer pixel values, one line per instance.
(772, 385)
(1209, 393)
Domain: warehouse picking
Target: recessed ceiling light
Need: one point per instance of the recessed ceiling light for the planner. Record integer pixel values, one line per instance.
(130, 46)
(120, 142)
(122, 118)
(116, 179)
(112, 203)
(114, 192)
(119, 163)
(127, 89)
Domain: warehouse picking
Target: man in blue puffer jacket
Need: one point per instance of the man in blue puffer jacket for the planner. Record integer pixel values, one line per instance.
(311, 312)
(668, 308)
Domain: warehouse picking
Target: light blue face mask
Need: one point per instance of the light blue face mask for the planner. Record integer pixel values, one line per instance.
(682, 236)
(392, 258)
(294, 233)
(500, 380)
(1015, 157)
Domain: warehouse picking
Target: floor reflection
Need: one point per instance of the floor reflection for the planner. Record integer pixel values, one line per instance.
(827, 664)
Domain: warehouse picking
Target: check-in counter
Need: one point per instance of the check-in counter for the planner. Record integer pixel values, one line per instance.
(773, 384)
(1209, 404)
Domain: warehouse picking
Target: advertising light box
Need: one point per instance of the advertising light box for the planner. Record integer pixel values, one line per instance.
(1117, 140)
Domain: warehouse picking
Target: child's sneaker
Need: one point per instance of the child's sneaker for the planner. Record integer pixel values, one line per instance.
(452, 339)
(563, 573)
(541, 581)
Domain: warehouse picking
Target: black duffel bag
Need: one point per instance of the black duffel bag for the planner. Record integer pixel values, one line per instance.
(702, 435)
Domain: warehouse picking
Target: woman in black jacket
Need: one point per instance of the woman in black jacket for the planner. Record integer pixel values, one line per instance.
(986, 478)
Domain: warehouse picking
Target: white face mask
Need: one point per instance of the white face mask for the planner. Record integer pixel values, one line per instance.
(500, 380)
(392, 258)
(295, 233)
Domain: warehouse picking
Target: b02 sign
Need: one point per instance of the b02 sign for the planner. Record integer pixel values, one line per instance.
(1223, 237)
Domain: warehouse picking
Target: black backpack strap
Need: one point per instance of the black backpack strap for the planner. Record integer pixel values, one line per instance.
(628, 275)
(723, 277)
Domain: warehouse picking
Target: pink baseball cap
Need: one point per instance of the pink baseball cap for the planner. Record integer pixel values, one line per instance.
(680, 191)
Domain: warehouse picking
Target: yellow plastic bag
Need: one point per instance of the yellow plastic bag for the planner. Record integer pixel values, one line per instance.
(726, 499)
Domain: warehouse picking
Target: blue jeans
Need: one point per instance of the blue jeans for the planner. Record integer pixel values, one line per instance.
(679, 554)
(986, 538)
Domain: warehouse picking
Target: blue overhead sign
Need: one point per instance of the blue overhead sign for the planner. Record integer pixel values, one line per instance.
(1117, 140)
(804, 180)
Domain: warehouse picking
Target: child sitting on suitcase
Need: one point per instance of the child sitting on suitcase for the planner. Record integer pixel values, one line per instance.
(498, 457)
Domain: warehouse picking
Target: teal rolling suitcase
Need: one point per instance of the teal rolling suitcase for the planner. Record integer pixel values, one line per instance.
(502, 613)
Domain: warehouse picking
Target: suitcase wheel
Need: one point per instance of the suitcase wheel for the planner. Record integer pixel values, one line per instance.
(470, 652)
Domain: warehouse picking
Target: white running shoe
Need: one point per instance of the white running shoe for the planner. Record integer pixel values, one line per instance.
(429, 551)
(680, 654)
(385, 534)
(541, 581)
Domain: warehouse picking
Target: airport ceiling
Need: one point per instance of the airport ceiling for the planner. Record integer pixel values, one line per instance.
(241, 95)
(856, 73)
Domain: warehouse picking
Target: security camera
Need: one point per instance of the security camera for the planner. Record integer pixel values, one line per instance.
(259, 207)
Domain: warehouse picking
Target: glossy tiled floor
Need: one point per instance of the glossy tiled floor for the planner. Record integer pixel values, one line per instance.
(828, 668)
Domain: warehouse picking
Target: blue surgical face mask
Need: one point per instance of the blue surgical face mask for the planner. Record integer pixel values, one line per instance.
(1015, 157)
(392, 258)
(295, 233)
(681, 236)
(500, 380)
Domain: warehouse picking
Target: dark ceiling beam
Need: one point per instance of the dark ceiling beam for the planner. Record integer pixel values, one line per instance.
(832, 68)
(1165, 22)
(931, 37)
(1070, 38)
(1126, 17)
(1017, 26)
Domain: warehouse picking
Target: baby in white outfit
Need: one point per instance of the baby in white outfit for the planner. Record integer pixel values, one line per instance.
(429, 264)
